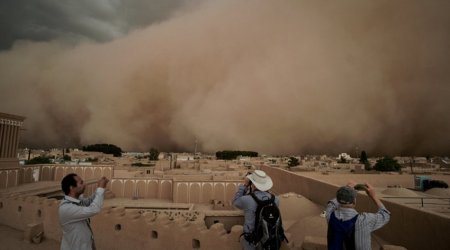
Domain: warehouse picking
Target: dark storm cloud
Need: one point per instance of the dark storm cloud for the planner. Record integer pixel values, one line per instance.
(282, 77)
(72, 21)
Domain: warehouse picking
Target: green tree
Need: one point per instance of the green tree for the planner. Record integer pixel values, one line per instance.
(363, 157)
(39, 160)
(233, 154)
(67, 158)
(387, 163)
(292, 162)
(153, 154)
(104, 148)
(364, 160)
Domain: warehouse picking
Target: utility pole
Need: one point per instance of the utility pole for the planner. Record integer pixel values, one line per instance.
(196, 160)
(195, 148)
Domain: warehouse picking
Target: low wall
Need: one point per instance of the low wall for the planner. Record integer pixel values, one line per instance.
(115, 228)
(134, 231)
(18, 212)
(204, 191)
(27, 174)
(142, 188)
(409, 227)
(178, 191)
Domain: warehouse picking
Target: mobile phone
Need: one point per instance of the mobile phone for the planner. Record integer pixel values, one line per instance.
(249, 182)
(360, 187)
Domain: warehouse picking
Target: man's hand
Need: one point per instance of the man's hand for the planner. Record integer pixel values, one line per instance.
(351, 183)
(246, 181)
(370, 191)
(102, 182)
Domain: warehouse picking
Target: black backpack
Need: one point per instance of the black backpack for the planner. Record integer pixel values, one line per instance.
(268, 232)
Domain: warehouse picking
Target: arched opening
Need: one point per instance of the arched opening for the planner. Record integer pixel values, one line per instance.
(154, 234)
(195, 244)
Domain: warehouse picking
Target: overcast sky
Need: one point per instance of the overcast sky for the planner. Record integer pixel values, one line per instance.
(277, 77)
(77, 20)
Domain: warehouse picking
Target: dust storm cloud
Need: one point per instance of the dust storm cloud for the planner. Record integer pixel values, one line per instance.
(289, 77)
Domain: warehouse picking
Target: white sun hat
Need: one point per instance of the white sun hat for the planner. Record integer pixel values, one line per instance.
(261, 180)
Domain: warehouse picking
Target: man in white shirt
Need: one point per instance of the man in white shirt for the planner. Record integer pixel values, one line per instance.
(75, 211)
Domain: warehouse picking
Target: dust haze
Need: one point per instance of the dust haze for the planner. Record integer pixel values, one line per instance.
(277, 77)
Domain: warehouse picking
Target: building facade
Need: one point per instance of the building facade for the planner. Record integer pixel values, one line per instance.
(9, 140)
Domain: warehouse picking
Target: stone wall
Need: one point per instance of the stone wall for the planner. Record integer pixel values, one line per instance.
(409, 227)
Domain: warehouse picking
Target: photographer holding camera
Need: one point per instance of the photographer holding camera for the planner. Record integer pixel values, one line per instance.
(347, 227)
(255, 199)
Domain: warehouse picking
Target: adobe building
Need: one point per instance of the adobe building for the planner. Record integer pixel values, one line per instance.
(9, 140)
(10, 174)
(188, 208)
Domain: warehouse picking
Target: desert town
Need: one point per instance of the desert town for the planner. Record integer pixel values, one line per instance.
(210, 124)
(183, 200)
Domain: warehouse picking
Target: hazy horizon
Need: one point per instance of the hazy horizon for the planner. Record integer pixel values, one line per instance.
(290, 77)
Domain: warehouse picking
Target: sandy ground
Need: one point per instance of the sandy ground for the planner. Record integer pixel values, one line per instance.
(12, 239)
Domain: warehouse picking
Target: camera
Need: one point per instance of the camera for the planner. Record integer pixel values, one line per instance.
(249, 181)
(360, 187)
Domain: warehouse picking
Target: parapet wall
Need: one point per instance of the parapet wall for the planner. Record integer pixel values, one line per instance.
(115, 228)
(142, 188)
(409, 227)
(35, 173)
(134, 231)
(179, 191)
(18, 212)
(204, 191)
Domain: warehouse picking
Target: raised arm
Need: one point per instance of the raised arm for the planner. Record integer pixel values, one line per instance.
(370, 191)
(382, 216)
(237, 200)
(100, 183)
(69, 212)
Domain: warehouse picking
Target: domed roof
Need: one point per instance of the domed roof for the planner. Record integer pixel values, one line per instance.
(445, 192)
(399, 191)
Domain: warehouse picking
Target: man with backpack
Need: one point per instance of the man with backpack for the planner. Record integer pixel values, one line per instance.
(347, 229)
(263, 228)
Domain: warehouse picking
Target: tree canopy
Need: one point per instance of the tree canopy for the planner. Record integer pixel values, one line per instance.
(104, 148)
(232, 154)
(364, 160)
(38, 160)
(153, 154)
(292, 162)
(387, 163)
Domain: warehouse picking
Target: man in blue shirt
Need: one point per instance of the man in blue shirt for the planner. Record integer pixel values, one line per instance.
(259, 183)
(75, 211)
